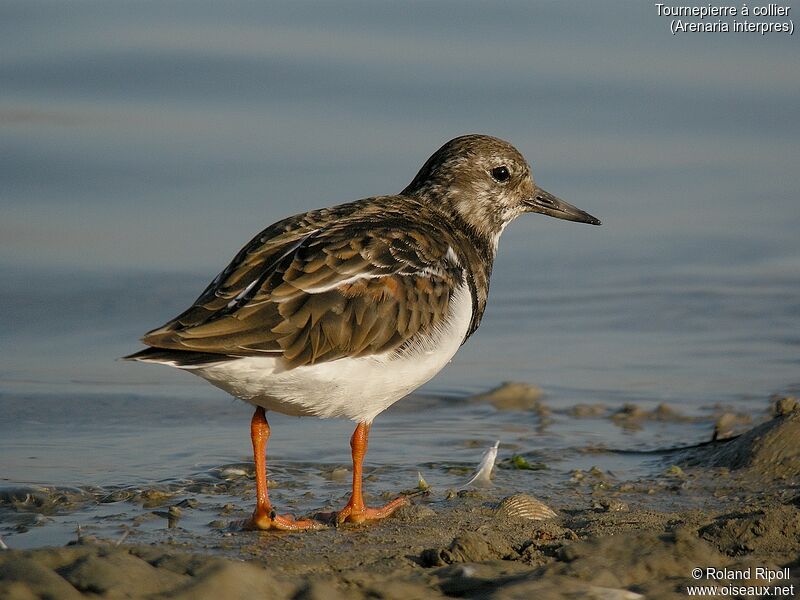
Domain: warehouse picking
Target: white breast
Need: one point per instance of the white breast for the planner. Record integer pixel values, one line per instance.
(355, 388)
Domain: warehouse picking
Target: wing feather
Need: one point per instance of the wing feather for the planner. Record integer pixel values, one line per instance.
(313, 294)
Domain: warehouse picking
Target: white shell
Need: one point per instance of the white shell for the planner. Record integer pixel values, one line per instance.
(525, 507)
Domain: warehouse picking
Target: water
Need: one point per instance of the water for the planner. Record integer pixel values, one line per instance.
(143, 143)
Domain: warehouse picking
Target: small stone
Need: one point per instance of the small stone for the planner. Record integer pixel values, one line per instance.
(675, 471)
(784, 405)
(512, 396)
(587, 410)
(664, 412)
(153, 498)
(609, 505)
(629, 411)
(597, 473)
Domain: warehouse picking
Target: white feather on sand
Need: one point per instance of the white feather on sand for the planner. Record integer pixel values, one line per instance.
(483, 474)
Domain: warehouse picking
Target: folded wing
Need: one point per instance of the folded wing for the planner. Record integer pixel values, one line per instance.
(317, 294)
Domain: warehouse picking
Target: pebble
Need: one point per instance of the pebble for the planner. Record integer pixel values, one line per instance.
(783, 405)
(609, 505)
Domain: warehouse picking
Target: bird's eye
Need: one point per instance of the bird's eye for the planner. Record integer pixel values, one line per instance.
(501, 174)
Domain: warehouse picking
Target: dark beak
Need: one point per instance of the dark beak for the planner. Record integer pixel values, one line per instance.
(547, 204)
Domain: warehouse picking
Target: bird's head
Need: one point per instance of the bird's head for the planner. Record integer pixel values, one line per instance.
(488, 183)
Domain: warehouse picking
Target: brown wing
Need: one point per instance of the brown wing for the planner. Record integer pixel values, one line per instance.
(312, 295)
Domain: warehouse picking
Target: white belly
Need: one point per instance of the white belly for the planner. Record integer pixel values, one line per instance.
(355, 388)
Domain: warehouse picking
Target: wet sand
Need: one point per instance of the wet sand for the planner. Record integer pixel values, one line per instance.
(733, 503)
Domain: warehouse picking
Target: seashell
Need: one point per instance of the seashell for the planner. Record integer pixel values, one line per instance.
(525, 507)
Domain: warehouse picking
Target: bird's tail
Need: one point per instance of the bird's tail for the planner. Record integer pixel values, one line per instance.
(182, 359)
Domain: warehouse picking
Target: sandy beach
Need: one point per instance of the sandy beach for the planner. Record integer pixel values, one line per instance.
(611, 538)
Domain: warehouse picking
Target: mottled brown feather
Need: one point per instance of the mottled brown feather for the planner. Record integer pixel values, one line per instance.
(315, 288)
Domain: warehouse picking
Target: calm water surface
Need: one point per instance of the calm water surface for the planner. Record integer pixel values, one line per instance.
(141, 144)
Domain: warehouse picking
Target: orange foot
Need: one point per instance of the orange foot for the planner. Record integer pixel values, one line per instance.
(353, 514)
(264, 520)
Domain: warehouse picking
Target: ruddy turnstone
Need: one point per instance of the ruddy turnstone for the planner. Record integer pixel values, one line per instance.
(342, 311)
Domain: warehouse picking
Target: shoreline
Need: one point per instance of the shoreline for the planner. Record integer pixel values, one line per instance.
(611, 539)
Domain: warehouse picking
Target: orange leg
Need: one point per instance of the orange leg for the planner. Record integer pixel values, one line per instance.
(356, 511)
(263, 516)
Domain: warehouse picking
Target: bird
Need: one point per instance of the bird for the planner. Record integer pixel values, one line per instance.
(342, 311)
